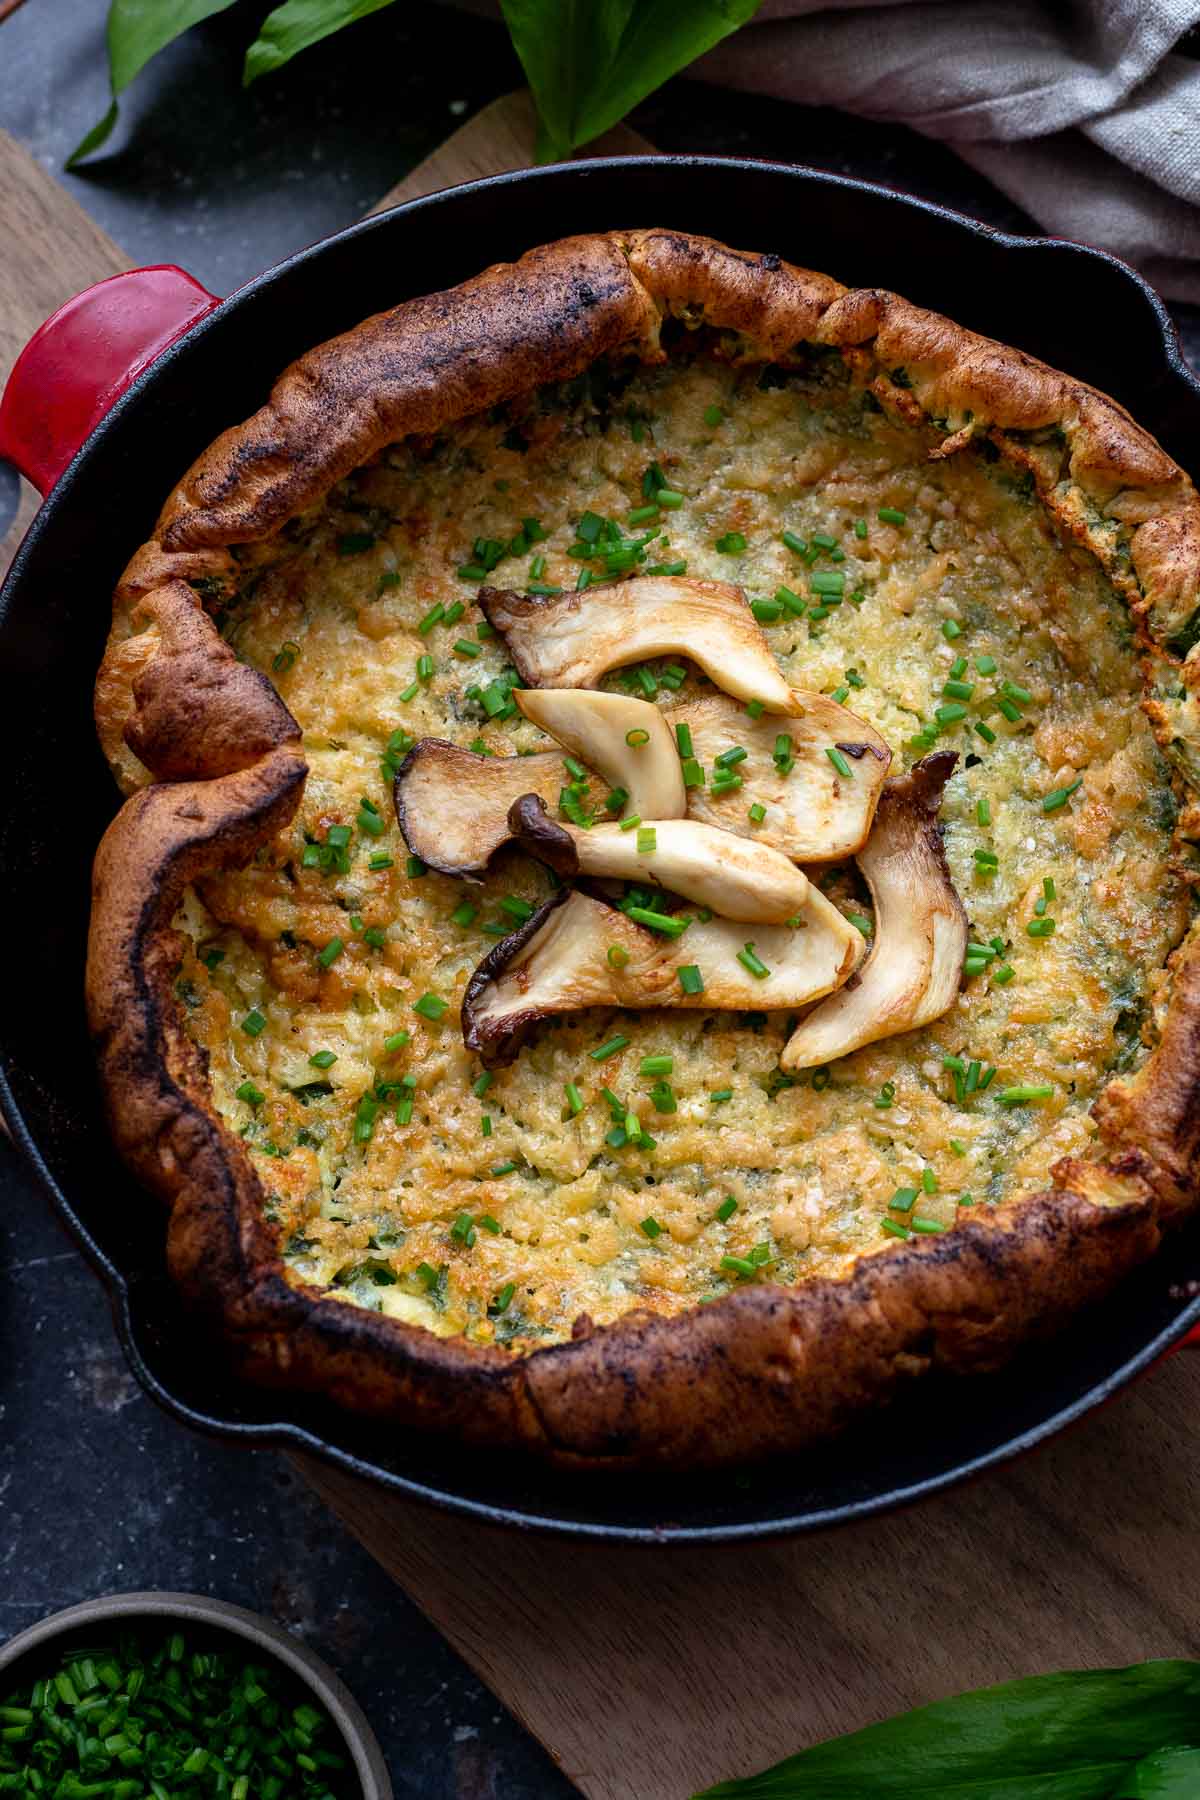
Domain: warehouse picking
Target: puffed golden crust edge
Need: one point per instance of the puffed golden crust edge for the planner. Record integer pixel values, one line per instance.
(766, 1368)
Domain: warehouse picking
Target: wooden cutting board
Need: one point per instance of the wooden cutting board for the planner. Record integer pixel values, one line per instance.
(650, 1673)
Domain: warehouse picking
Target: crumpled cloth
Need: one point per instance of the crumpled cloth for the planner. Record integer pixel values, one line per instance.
(1084, 112)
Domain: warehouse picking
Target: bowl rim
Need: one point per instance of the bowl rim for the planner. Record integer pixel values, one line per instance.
(284, 1430)
(238, 1621)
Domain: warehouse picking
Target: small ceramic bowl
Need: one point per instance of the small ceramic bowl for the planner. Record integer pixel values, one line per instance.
(268, 1640)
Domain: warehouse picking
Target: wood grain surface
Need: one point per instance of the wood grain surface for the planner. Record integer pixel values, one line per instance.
(650, 1673)
(49, 250)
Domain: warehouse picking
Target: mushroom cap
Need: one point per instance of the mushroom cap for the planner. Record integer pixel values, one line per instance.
(452, 804)
(572, 639)
(914, 967)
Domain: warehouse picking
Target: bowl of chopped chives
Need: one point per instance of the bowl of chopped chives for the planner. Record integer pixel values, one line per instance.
(158, 1696)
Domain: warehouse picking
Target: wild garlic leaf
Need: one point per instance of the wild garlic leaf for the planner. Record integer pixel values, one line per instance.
(1100, 1734)
(298, 24)
(589, 62)
(138, 30)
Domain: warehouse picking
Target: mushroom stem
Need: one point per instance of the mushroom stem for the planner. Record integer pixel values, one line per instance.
(627, 741)
(914, 969)
(736, 878)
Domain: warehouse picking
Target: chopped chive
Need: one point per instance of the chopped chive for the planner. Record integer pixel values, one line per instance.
(826, 582)
(1011, 711)
(1003, 974)
(985, 732)
(396, 1042)
(891, 515)
(958, 668)
(738, 1265)
(735, 754)
(323, 1059)
(670, 925)
(860, 528)
(431, 1006)
(618, 956)
(861, 922)
(414, 868)
(752, 962)
(958, 690)
(1039, 905)
(503, 1300)
(670, 498)
(958, 1147)
(1012, 692)
(755, 708)
(951, 629)
(254, 1024)
(986, 665)
(929, 1181)
(1022, 1096)
(721, 1094)
(886, 1096)
(683, 738)
(791, 602)
(647, 840)
(795, 544)
(983, 811)
(713, 415)
(464, 647)
(608, 1049)
(631, 822)
(951, 714)
(925, 1226)
(903, 1198)
(516, 908)
(731, 544)
(504, 1168)
(615, 799)
(767, 612)
(840, 694)
(432, 617)
(635, 739)
(693, 774)
(838, 760)
(1060, 796)
(464, 914)
(662, 1097)
(726, 1209)
(651, 1227)
(574, 1098)
(1048, 888)
(690, 978)
(656, 1065)
(757, 813)
(329, 955)
(894, 1228)
(252, 1095)
(1038, 928)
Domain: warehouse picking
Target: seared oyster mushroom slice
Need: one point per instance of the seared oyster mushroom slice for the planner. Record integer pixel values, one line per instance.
(452, 805)
(814, 813)
(559, 962)
(739, 880)
(915, 966)
(572, 639)
(623, 739)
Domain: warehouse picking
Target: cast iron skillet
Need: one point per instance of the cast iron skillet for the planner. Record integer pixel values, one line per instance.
(1074, 307)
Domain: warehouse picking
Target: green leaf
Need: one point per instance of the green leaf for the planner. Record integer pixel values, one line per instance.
(1093, 1735)
(1167, 1775)
(589, 62)
(298, 24)
(138, 30)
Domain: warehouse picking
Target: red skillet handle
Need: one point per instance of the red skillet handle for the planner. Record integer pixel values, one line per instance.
(84, 357)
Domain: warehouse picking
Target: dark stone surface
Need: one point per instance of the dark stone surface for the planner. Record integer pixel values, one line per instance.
(98, 1490)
